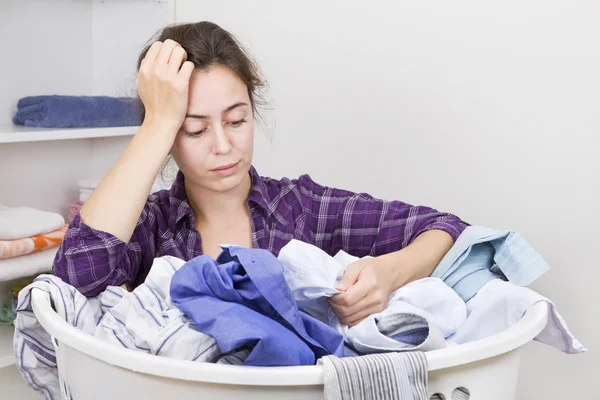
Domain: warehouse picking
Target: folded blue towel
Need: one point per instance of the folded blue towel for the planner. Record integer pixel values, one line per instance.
(77, 111)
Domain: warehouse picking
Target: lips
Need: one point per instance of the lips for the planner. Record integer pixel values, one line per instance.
(225, 167)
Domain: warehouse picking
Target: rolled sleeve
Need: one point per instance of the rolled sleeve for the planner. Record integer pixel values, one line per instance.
(448, 223)
(91, 260)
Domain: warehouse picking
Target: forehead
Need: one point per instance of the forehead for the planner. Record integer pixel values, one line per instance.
(214, 89)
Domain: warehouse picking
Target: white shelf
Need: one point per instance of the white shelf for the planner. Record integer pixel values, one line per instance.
(20, 133)
(7, 357)
(122, 1)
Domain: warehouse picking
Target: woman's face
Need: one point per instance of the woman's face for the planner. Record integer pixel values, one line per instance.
(214, 146)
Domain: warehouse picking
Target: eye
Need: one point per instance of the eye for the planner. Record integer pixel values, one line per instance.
(196, 134)
(238, 123)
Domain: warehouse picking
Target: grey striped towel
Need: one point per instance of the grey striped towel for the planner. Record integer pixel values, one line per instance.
(389, 376)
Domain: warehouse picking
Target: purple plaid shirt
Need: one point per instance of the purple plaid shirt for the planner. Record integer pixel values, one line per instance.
(281, 210)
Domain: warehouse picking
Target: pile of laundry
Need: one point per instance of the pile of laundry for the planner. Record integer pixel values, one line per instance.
(281, 315)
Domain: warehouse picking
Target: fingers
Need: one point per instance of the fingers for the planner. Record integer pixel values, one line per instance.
(163, 84)
(362, 299)
(352, 296)
(166, 60)
(367, 306)
(186, 70)
(165, 51)
(178, 56)
(349, 315)
(152, 53)
(350, 276)
(370, 308)
(354, 303)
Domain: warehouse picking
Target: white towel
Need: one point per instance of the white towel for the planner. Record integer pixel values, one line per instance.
(27, 265)
(24, 222)
(84, 196)
(86, 187)
(88, 184)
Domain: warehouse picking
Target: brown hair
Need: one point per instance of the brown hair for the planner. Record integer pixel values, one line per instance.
(206, 45)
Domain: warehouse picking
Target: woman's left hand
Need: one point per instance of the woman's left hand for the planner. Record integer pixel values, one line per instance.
(368, 283)
(366, 286)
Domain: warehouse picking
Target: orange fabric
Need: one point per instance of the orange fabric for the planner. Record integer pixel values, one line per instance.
(34, 244)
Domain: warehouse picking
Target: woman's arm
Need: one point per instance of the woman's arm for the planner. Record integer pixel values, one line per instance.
(362, 225)
(406, 241)
(368, 283)
(112, 240)
(116, 204)
(419, 259)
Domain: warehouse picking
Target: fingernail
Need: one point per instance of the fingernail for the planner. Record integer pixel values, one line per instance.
(341, 287)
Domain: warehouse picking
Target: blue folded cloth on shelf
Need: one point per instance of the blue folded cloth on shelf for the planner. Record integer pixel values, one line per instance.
(54, 111)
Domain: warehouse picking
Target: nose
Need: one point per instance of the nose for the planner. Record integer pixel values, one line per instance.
(221, 144)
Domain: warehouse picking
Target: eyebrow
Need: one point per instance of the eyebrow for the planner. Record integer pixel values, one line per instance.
(225, 111)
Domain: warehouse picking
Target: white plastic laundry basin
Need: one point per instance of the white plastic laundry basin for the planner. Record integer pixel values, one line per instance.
(93, 369)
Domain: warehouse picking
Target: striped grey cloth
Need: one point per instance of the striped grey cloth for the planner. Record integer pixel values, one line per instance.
(388, 376)
(143, 320)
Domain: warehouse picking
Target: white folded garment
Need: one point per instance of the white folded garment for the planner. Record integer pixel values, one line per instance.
(88, 184)
(419, 316)
(499, 305)
(24, 222)
(27, 265)
(83, 196)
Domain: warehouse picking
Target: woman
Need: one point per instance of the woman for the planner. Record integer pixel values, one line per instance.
(200, 91)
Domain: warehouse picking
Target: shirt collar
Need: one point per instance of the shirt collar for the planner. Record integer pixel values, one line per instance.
(259, 193)
(180, 208)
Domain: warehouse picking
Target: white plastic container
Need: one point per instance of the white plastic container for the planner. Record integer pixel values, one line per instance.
(92, 369)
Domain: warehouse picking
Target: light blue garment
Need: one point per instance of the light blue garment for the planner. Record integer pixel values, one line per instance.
(243, 301)
(500, 305)
(481, 254)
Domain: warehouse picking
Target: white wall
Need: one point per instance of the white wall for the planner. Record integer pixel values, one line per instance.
(120, 30)
(46, 48)
(489, 110)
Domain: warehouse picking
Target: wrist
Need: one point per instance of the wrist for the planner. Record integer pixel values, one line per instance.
(403, 267)
(158, 132)
(152, 143)
(161, 126)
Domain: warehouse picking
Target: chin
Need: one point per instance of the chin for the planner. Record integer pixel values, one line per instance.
(225, 184)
